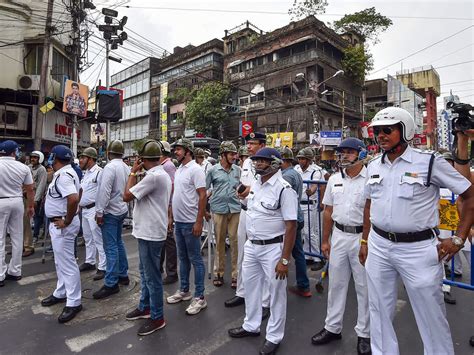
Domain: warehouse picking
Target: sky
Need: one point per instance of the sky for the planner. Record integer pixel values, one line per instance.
(165, 26)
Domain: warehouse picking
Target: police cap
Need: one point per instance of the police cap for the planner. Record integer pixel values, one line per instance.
(61, 152)
(8, 147)
(256, 136)
(267, 153)
(351, 143)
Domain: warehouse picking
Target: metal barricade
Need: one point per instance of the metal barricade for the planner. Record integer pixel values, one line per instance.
(319, 183)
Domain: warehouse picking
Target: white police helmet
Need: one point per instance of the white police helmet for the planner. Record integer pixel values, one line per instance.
(393, 115)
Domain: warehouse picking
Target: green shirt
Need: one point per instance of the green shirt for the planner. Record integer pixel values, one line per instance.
(224, 184)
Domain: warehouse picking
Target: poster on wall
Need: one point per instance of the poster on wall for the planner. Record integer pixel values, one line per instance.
(75, 98)
(58, 128)
(280, 140)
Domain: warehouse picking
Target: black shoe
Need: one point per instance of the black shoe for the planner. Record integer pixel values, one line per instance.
(105, 292)
(12, 278)
(137, 314)
(471, 340)
(124, 281)
(363, 346)
(448, 298)
(86, 267)
(318, 265)
(170, 280)
(265, 313)
(2, 283)
(234, 301)
(324, 337)
(241, 333)
(69, 313)
(99, 275)
(152, 325)
(51, 300)
(269, 348)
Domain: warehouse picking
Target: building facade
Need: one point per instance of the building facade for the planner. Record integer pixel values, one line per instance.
(277, 80)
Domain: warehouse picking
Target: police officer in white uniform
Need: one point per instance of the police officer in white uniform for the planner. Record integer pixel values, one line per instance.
(14, 176)
(402, 192)
(62, 199)
(90, 228)
(271, 229)
(344, 209)
(309, 205)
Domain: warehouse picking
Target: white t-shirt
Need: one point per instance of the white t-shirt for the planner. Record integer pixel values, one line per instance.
(150, 214)
(187, 180)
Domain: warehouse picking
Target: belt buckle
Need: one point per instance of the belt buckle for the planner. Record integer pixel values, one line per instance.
(349, 229)
(392, 237)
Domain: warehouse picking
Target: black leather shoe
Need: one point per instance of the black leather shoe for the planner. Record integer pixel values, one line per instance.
(363, 346)
(265, 313)
(69, 313)
(241, 333)
(11, 277)
(124, 281)
(269, 348)
(99, 275)
(318, 265)
(324, 337)
(86, 267)
(106, 291)
(168, 280)
(234, 301)
(448, 298)
(2, 283)
(51, 300)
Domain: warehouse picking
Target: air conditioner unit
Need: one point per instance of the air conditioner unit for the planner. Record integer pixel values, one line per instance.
(14, 118)
(29, 82)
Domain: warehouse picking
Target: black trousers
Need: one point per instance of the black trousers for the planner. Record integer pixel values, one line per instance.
(170, 254)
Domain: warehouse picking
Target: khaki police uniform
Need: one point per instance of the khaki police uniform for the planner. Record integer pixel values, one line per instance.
(269, 205)
(65, 182)
(13, 175)
(90, 229)
(346, 196)
(401, 202)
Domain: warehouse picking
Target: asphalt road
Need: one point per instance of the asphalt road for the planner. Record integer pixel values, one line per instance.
(101, 328)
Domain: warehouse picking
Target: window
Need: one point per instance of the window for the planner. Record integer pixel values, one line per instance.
(257, 97)
(34, 54)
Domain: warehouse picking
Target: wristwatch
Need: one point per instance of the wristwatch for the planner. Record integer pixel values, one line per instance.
(284, 261)
(458, 241)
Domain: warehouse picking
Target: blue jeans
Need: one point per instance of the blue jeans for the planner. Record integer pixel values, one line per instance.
(38, 220)
(151, 284)
(302, 280)
(189, 252)
(117, 264)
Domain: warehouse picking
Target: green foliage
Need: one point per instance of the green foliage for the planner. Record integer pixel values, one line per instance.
(305, 8)
(368, 23)
(179, 95)
(204, 111)
(357, 62)
(138, 144)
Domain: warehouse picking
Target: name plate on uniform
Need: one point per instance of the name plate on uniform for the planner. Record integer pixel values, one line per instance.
(448, 216)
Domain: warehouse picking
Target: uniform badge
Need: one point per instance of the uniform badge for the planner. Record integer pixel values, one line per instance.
(413, 175)
(252, 135)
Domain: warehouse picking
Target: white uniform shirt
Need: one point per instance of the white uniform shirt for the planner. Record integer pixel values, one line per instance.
(248, 175)
(65, 182)
(264, 218)
(150, 214)
(187, 180)
(13, 175)
(313, 172)
(205, 166)
(112, 183)
(400, 201)
(346, 195)
(89, 183)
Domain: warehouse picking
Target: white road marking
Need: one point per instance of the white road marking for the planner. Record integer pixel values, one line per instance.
(79, 343)
(39, 309)
(37, 278)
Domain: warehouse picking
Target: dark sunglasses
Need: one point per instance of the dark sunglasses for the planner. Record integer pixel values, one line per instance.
(385, 129)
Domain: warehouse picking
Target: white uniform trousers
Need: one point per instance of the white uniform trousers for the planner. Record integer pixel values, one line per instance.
(11, 221)
(311, 223)
(69, 280)
(241, 239)
(258, 267)
(93, 239)
(418, 267)
(344, 261)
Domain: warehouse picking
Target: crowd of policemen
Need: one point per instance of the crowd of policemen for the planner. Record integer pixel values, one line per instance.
(374, 218)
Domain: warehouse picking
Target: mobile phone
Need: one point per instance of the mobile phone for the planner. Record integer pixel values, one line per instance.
(241, 188)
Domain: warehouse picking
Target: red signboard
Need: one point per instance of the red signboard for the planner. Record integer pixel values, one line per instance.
(367, 132)
(247, 127)
(120, 91)
(420, 139)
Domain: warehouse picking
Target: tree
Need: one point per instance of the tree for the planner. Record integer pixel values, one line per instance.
(305, 8)
(357, 62)
(204, 111)
(368, 23)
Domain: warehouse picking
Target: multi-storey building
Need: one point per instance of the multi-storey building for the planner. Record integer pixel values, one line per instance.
(276, 80)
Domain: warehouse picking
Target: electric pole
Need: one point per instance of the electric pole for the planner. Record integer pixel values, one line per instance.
(43, 76)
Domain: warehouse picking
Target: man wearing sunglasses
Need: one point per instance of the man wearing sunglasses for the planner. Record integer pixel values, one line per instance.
(399, 234)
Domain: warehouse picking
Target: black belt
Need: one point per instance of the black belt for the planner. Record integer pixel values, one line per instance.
(11, 197)
(307, 202)
(244, 207)
(349, 229)
(404, 237)
(278, 239)
(90, 205)
(55, 218)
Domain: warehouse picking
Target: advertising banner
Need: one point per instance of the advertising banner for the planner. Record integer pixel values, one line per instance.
(280, 140)
(75, 98)
(58, 128)
(164, 111)
(247, 127)
(330, 137)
